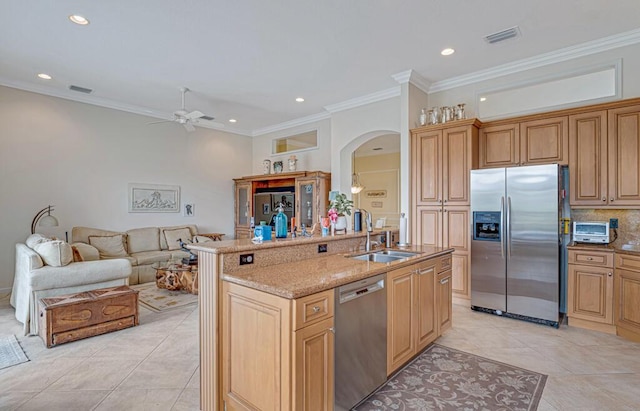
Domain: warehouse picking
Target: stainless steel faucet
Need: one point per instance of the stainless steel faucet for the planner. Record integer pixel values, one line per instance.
(367, 219)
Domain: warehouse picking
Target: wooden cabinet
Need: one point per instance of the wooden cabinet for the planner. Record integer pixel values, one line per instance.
(310, 190)
(590, 288)
(535, 141)
(627, 296)
(604, 167)
(267, 362)
(418, 308)
(441, 159)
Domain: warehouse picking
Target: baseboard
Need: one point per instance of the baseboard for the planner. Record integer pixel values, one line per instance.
(5, 292)
(461, 301)
(590, 325)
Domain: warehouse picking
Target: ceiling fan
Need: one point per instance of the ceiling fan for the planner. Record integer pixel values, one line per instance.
(184, 117)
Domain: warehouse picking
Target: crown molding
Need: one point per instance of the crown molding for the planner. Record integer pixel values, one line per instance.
(412, 76)
(364, 100)
(106, 103)
(289, 124)
(557, 56)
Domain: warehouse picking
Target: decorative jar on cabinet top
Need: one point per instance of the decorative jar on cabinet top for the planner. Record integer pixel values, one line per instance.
(266, 167)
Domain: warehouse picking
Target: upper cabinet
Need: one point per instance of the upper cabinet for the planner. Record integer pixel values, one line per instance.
(311, 196)
(604, 166)
(536, 141)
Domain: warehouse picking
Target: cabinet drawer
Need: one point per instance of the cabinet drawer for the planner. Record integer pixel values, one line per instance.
(590, 257)
(312, 308)
(444, 263)
(628, 262)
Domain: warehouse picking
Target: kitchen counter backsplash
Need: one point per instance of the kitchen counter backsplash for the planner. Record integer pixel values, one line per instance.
(628, 223)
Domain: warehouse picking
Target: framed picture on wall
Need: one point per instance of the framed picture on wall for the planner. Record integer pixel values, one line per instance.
(154, 198)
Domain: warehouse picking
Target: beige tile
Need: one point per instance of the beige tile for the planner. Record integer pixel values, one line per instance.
(194, 382)
(140, 400)
(166, 372)
(526, 358)
(545, 406)
(623, 387)
(189, 400)
(577, 393)
(11, 400)
(64, 400)
(37, 375)
(95, 374)
(583, 360)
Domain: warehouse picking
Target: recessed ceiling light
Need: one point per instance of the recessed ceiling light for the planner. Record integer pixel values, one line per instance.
(447, 52)
(78, 19)
(483, 99)
(44, 76)
(232, 120)
(299, 99)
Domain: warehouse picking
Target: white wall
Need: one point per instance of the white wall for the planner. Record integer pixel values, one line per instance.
(80, 158)
(309, 160)
(630, 56)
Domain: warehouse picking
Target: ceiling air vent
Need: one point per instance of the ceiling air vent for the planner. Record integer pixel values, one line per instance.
(503, 35)
(80, 89)
(207, 118)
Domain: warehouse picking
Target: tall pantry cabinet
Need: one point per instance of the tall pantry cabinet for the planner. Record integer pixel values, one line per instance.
(441, 158)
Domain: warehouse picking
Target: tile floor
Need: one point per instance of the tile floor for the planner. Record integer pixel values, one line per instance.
(155, 366)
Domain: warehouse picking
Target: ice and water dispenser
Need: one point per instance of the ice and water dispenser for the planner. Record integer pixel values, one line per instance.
(486, 225)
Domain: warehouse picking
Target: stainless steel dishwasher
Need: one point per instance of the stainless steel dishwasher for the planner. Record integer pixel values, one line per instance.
(360, 340)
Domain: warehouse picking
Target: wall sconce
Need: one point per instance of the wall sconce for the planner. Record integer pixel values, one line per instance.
(44, 220)
(356, 187)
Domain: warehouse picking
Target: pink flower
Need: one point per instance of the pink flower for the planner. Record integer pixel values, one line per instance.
(333, 215)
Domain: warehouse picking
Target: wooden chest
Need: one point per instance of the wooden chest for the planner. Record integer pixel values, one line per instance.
(75, 316)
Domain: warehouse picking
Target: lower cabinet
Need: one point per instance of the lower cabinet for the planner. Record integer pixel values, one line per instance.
(627, 296)
(277, 354)
(418, 308)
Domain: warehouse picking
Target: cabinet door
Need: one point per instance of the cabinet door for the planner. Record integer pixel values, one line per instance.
(588, 158)
(307, 200)
(243, 200)
(456, 234)
(428, 223)
(624, 156)
(590, 293)
(627, 309)
(313, 375)
(426, 318)
(499, 146)
(427, 167)
(444, 301)
(401, 344)
(458, 157)
(544, 141)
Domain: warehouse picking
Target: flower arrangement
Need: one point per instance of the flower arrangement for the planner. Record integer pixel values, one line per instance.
(340, 206)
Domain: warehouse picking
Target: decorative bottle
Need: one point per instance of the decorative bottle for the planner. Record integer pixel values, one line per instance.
(423, 117)
(281, 223)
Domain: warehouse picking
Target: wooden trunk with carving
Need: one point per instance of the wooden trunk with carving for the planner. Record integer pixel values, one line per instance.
(75, 316)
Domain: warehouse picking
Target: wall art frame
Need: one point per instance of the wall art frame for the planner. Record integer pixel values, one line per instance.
(154, 198)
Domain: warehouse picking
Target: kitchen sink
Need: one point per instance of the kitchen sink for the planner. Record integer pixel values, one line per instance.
(385, 256)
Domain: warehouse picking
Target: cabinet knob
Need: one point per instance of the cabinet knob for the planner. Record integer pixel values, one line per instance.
(332, 329)
(589, 258)
(611, 199)
(610, 274)
(604, 198)
(445, 201)
(316, 309)
(444, 281)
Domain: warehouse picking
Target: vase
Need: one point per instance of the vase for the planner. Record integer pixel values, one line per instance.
(266, 167)
(341, 223)
(277, 167)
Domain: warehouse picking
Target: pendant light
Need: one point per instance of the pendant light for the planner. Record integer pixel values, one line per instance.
(356, 187)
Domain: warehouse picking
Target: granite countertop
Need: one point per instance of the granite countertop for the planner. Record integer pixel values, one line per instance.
(301, 278)
(633, 249)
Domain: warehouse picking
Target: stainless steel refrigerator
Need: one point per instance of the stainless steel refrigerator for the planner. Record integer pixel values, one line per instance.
(516, 242)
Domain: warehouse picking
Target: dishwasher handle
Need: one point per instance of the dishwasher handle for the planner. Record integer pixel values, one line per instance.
(352, 294)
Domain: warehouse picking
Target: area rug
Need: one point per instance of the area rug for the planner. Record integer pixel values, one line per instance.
(442, 378)
(10, 352)
(159, 299)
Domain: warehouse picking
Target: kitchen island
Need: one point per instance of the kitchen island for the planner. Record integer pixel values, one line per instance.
(266, 316)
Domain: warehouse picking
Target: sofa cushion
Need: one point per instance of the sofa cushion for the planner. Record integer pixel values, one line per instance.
(34, 239)
(150, 257)
(87, 252)
(55, 253)
(172, 237)
(76, 274)
(201, 239)
(81, 234)
(193, 229)
(109, 246)
(143, 239)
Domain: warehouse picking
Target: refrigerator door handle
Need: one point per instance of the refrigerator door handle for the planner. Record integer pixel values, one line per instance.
(501, 232)
(508, 239)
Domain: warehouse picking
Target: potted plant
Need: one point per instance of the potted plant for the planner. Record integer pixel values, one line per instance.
(340, 206)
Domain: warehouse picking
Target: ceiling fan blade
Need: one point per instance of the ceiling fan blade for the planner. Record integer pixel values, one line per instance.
(161, 121)
(194, 114)
(189, 127)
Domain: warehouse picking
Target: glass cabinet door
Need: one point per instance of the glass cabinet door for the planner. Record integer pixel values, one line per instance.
(306, 191)
(243, 204)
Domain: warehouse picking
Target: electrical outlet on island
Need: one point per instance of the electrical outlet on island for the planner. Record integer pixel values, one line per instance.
(613, 223)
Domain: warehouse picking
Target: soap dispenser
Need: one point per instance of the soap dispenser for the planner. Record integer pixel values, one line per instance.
(281, 223)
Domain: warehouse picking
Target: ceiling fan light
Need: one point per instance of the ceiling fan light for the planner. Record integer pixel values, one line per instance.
(78, 19)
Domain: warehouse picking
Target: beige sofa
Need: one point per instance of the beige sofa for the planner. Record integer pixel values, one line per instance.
(141, 246)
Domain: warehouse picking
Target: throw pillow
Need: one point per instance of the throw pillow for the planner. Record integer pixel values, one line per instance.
(172, 237)
(55, 253)
(77, 257)
(201, 239)
(34, 239)
(109, 246)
